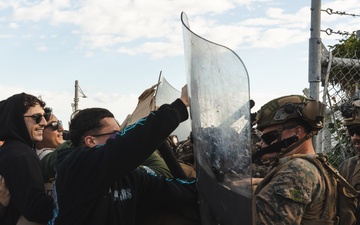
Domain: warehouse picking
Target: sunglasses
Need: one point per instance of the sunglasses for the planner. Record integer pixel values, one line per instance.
(54, 125)
(38, 117)
(110, 133)
(271, 136)
(354, 130)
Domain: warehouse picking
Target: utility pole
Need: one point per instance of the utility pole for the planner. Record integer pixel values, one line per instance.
(315, 46)
(76, 98)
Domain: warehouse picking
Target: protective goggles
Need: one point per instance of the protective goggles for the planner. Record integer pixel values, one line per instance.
(38, 117)
(54, 125)
(271, 136)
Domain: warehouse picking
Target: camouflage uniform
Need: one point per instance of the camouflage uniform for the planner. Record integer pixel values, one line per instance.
(290, 192)
(295, 190)
(350, 170)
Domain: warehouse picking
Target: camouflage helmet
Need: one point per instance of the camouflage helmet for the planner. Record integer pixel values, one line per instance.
(351, 113)
(282, 109)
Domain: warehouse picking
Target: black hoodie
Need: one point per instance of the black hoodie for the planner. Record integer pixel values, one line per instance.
(20, 167)
(98, 186)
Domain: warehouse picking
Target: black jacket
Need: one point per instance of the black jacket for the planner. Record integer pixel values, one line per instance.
(101, 185)
(20, 167)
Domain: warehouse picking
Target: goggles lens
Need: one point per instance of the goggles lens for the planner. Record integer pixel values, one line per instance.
(270, 137)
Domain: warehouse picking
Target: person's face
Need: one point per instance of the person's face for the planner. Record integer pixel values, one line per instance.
(354, 133)
(35, 128)
(52, 134)
(271, 135)
(109, 126)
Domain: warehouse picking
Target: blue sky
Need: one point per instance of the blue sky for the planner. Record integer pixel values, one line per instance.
(116, 49)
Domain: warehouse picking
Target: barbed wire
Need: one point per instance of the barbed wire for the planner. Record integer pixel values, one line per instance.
(331, 12)
(330, 31)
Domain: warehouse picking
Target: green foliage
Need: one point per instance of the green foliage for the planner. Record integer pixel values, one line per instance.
(347, 47)
(346, 76)
(343, 80)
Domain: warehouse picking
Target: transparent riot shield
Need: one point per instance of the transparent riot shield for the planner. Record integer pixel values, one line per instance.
(220, 112)
(166, 93)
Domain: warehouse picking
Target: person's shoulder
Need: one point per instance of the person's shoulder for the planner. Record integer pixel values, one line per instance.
(352, 159)
(300, 160)
(301, 165)
(65, 145)
(64, 153)
(16, 148)
(349, 162)
(299, 172)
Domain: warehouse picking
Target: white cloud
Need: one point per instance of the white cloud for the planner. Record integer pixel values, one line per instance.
(42, 48)
(348, 6)
(142, 27)
(89, 54)
(13, 25)
(5, 36)
(109, 23)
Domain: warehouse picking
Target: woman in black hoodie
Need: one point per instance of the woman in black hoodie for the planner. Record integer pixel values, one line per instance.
(22, 120)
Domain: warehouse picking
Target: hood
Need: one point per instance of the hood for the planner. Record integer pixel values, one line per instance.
(12, 123)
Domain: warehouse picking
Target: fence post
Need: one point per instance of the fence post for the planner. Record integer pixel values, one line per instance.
(315, 54)
(315, 49)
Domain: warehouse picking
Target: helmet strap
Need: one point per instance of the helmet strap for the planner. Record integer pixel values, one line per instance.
(274, 148)
(298, 143)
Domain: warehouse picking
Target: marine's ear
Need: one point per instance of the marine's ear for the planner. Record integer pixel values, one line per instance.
(300, 131)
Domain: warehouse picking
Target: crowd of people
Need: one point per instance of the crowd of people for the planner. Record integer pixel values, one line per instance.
(108, 174)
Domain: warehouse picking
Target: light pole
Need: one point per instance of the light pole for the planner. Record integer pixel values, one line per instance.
(76, 98)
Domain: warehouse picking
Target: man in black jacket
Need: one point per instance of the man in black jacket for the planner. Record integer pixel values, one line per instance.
(98, 181)
(22, 120)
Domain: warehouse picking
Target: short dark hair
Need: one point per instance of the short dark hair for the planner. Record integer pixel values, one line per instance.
(86, 121)
(31, 101)
(48, 112)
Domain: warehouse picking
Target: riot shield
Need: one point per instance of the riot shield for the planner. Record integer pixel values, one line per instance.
(166, 93)
(220, 112)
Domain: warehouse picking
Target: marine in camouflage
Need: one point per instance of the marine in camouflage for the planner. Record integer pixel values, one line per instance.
(294, 191)
(350, 168)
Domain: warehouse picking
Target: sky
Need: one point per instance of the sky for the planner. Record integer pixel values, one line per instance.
(116, 49)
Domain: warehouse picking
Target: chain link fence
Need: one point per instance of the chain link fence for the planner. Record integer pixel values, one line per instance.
(340, 82)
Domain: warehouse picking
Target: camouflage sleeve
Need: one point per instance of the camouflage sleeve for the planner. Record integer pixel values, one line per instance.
(284, 199)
